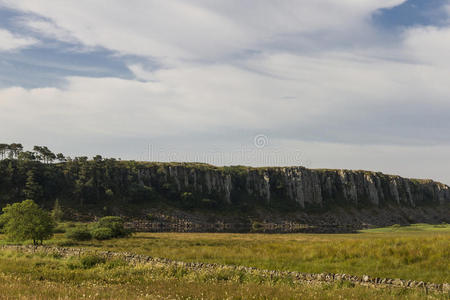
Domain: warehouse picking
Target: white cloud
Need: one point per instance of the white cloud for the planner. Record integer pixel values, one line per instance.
(429, 45)
(337, 98)
(199, 29)
(343, 104)
(47, 29)
(11, 42)
(175, 116)
(140, 72)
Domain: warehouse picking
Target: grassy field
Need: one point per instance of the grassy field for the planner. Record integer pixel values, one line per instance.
(33, 276)
(419, 252)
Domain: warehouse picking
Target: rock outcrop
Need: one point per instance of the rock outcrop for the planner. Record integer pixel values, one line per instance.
(305, 188)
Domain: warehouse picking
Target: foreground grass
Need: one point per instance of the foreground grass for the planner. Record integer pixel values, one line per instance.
(24, 276)
(420, 252)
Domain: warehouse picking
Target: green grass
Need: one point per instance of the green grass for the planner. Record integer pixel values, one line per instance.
(419, 252)
(410, 228)
(25, 276)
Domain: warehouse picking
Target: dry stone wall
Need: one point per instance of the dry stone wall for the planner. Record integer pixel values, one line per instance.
(296, 276)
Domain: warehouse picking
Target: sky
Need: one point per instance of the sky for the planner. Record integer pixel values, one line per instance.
(352, 84)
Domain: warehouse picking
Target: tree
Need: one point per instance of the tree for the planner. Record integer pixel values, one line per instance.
(57, 212)
(39, 151)
(61, 157)
(43, 153)
(26, 220)
(3, 149)
(33, 189)
(27, 155)
(14, 150)
(97, 158)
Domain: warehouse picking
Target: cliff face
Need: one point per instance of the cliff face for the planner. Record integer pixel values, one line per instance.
(108, 186)
(200, 197)
(307, 188)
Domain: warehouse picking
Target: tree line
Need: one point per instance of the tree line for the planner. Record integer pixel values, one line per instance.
(31, 179)
(39, 153)
(43, 176)
(94, 185)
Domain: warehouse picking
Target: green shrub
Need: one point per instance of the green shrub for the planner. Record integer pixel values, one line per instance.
(79, 234)
(116, 224)
(90, 261)
(116, 263)
(57, 212)
(65, 243)
(443, 225)
(102, 233)
(59, 229)
(396, 227)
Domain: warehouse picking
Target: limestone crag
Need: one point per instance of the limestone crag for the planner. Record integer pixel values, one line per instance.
(307, 188)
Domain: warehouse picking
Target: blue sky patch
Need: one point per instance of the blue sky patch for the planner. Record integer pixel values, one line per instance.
(413, 13)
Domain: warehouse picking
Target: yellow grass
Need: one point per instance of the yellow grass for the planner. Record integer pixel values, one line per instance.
(415, 255)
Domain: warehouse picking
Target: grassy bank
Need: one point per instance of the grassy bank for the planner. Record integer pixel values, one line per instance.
(420, 252)
(24, 276)
(395, 253)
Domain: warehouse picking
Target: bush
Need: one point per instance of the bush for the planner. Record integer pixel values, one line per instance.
(115, 224)
(57, 212)
(79, 234)
(71, 225)
(65, 243)
(102, 233)
(116, 263)
(59, 229)
(90, 261)
(396, 227)
(106, 228)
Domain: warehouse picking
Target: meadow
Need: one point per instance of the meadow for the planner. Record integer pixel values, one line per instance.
(28, 276)
(419, 252)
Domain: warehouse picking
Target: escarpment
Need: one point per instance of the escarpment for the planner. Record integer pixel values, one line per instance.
(107, 186)
(296, 186)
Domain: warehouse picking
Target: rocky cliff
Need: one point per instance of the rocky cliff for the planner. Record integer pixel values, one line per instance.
(305, 188)
(201, 197)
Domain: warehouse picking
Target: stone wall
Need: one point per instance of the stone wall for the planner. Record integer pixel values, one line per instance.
(296, 276)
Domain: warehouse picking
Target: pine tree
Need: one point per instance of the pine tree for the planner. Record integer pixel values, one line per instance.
(32, 189)
(57, 212)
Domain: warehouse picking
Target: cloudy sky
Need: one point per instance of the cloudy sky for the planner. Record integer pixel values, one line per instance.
(356, 84)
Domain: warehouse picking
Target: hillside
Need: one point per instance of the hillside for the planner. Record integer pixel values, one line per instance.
(197, 197)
